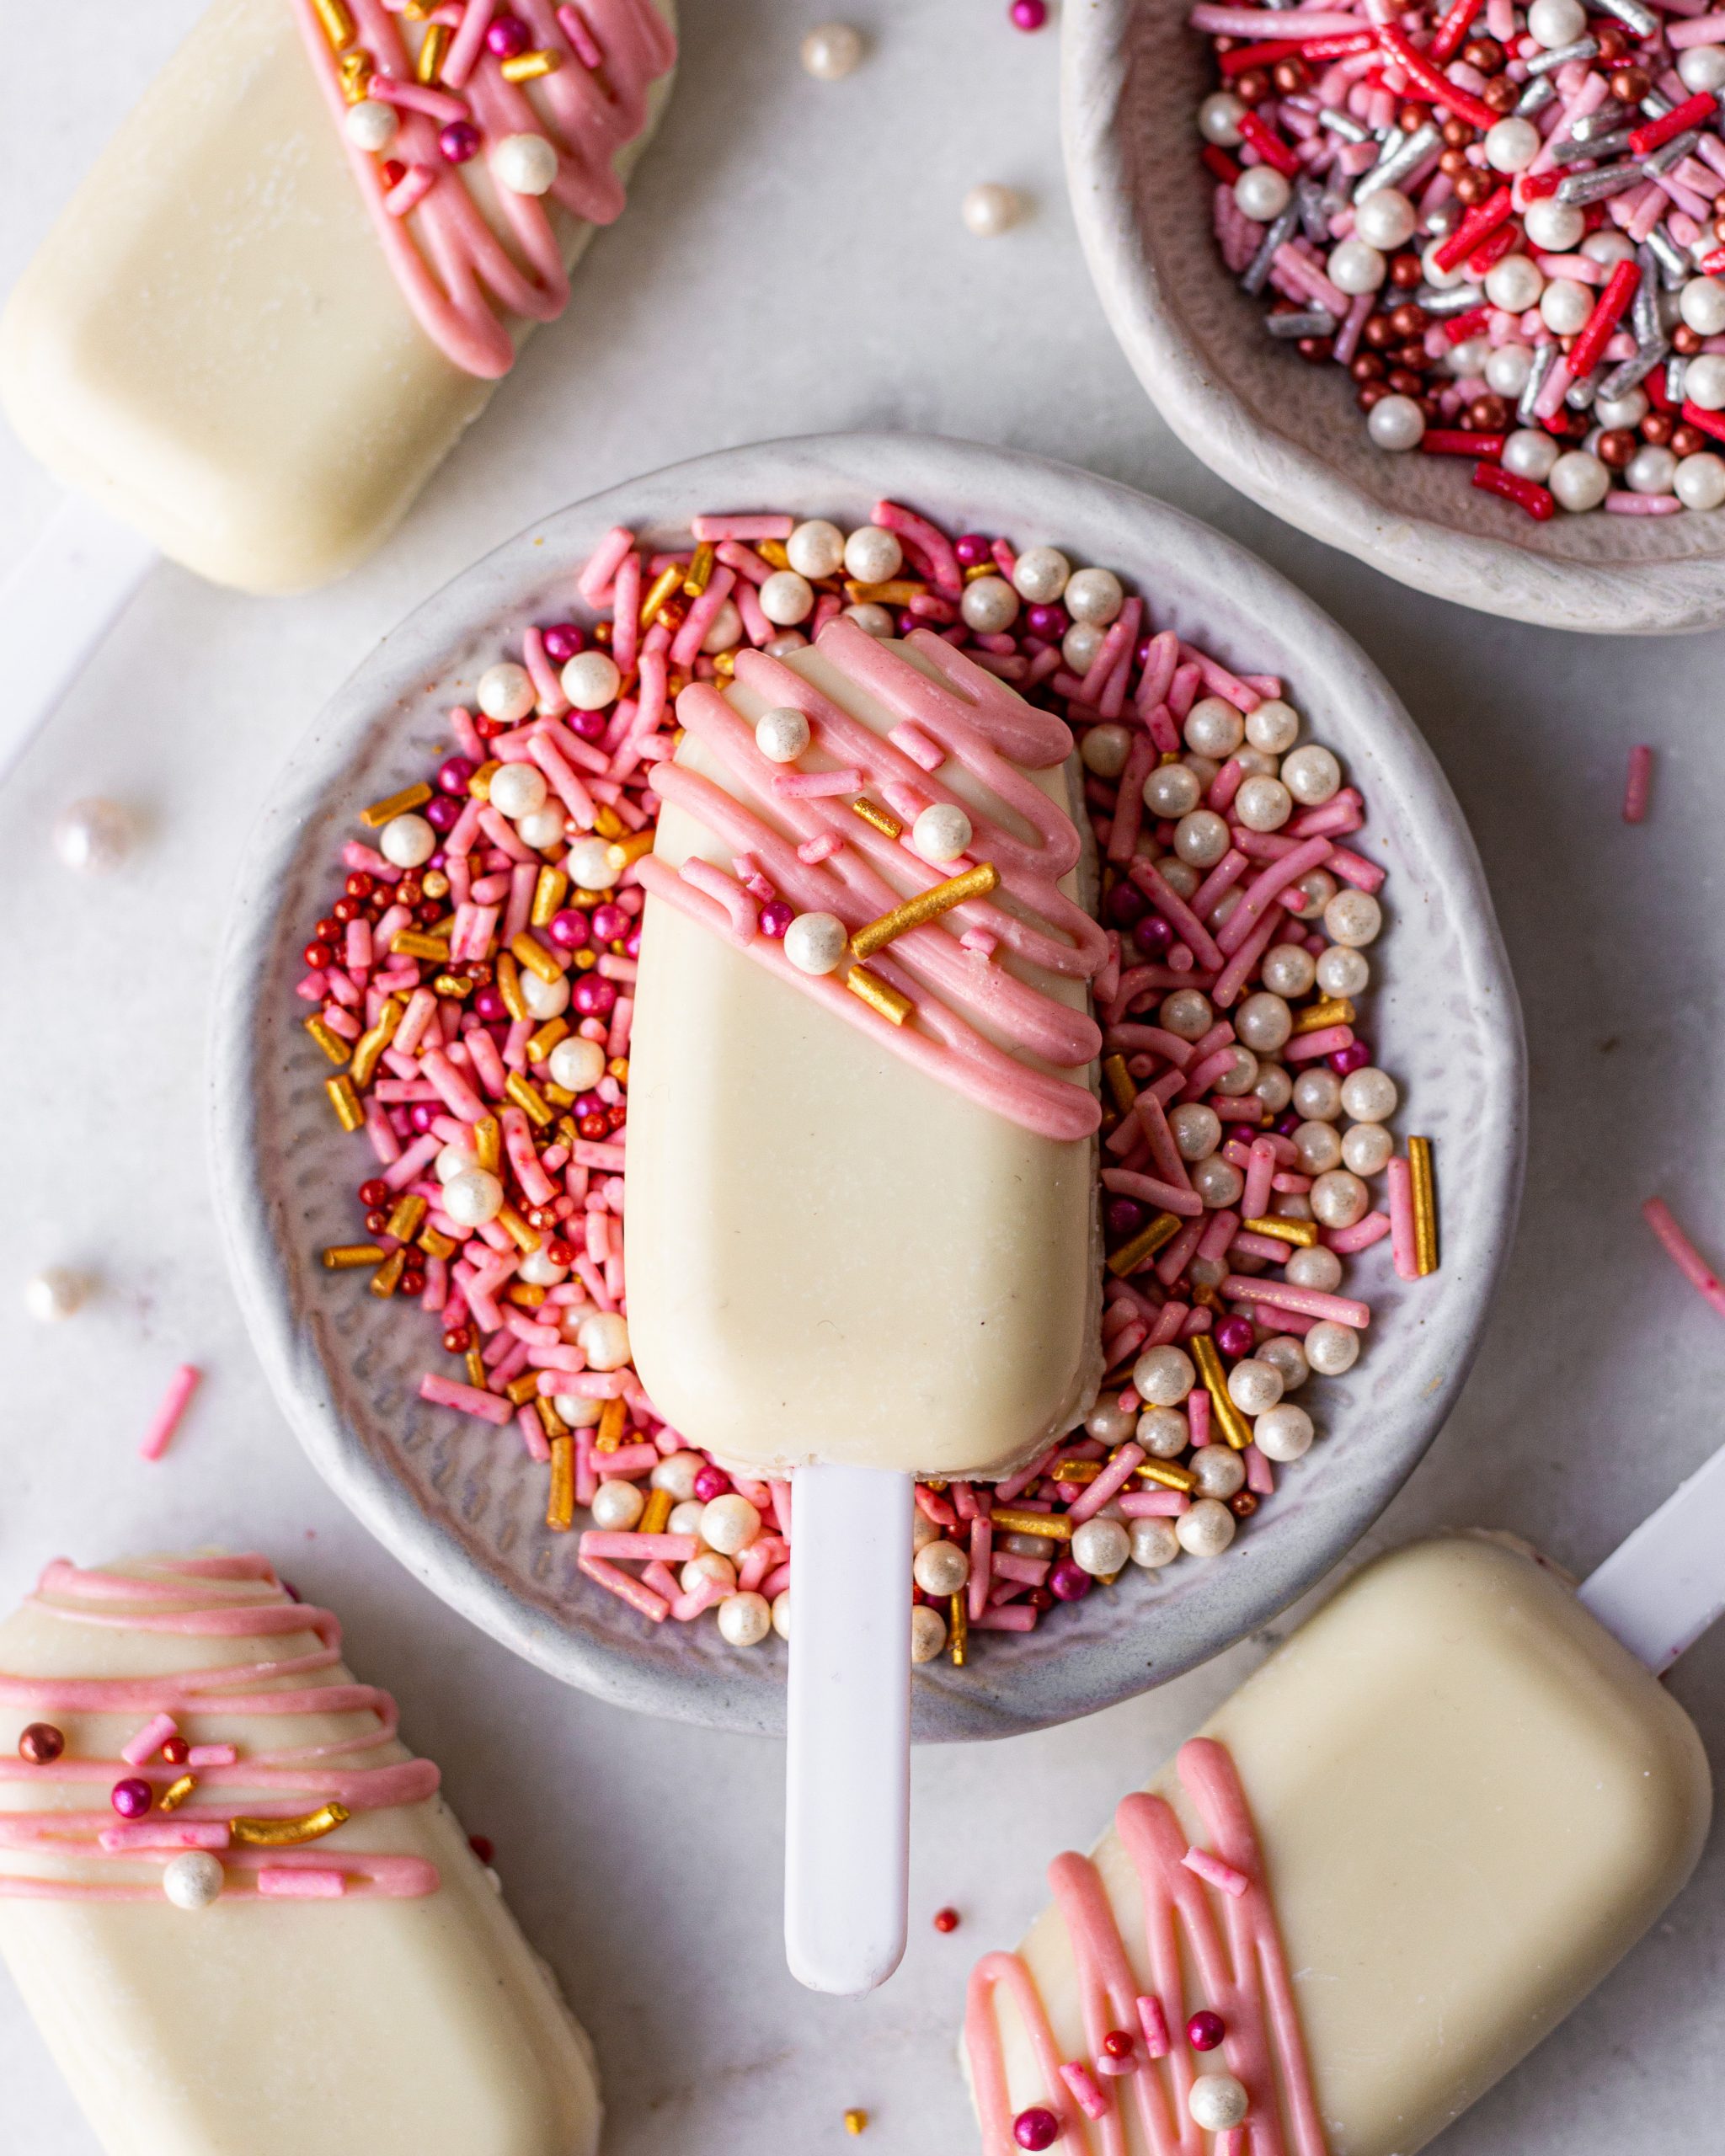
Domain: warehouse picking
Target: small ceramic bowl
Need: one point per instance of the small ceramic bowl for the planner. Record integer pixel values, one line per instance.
(456, 1501)
(1289, 435)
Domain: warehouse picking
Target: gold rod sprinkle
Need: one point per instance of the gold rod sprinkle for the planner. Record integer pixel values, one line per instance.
(878, 995)
(548, 895)
(476, 1372)
(1425, 1205)
(612, 1417)
(435, 1244)
(1149, 1239)
(527, 1098)
(397, 804)
(333, 1045)
(539, 1044)
(1303, 1233)
(1165, 1472)
(1229, 1421)
(656, 1513)
(386, 1278)
(560, 1502)
(509, 987)
(529, 67)
(176, 1793)
(338, 23)
(628, 850)
(411, 943)
(520, 1391)
(1119, 1082)
(1318, 1018)
(661, 588)
(348, 1257)
(888, 825)
(699, 574)
(897, 591)
(405, 1216)
(348, 1113)
(288, 1834)
(958, 1629)
(1075, 1471)
(927, 905)
(430, 64)
(550, 1421)
(517, 1229)
(529, 951)
(1056, 1526)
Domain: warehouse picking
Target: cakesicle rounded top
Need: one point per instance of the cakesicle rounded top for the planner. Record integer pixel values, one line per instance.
(447, 1496)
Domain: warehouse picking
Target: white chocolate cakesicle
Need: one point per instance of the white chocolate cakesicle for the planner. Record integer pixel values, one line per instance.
(404, 2012)
(832, 1255)
(212, 342)
(1470, 1801)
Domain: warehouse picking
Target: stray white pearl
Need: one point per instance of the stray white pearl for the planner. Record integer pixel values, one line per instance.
(1469, 357)
(1197, 1130)
(1565, 305)
(1217, 1181)
(1080, 645)
(1366, 1149)
(1530, 453)
(577, 1064)
(1206, 1527)
(371, 124)
(1355, 268)
(54, 1293)
(1163, 1376)
(676, 1474)
(873, 621)
(1274, 1087)
(1172, 791)
(1220, 1470)
(407, 840)
(1289, 970)
(1094, 596)
(1264, 1021)
(1338, 1197)
(1331, 1348)
(1219, 119)
(1254, 1386)
(941, 1568)
(1274, 726)
(1217, 2101)
(782, 734)
(1369, 1095)
(94, 835)
(543, 828)
(1316, 1267)
(1512, 145)
(1261, 194)
(1342, 971)
(816, 549)
(785, 642)
(745, 1619)
(830, 50)
(1284, 1433)
(685, 1517)
(1040, 573)
(472, 1198)
(1109, 1423)
(594, 864)
(1578, 481)
(1202, 838)
(786, 599)
(1163, 1431)
(506, 691)
(725, 631)
(591, 681)
(453, 1161)
(781, 1613)
(1702, 305)
(1554, 23)
(710, 1565)
(1628, 410)
(1509, 367)
(1213, 728)
(1319, 1147)
(1105, 750)
(1435, 273)
(815, 943)
(1187, 1014)
(544, 999)
(942, 832)
(1552, 227)
(873, 556)
(1180, 878)
(1699, 481)
(1263, 804)
(517, 789)
(193, 1879)
(1395, 423)
(729, 1525)
(1385, 220)
(1317, 1095)
(928, 1634)
(1311, 775)
(524, 164)
(616, 1506)
(990, 209)
(540, 1271)
(1352, 917)
(1608, 247)
(1514, 284)
(1242, 1076)
(990, 605)
(1101, 1546)
(1704, 382)
(1702, 67)
(1285, 1354)
(604, 1339)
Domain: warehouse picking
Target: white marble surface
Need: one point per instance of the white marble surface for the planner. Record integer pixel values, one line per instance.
(793, 261)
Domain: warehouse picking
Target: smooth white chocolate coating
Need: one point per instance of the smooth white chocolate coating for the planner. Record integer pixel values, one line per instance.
(211, 342)
(1472, 1801)
(281, 2028)
(831, 1254)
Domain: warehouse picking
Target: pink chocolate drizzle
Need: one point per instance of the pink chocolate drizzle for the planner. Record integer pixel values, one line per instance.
(1240, 1966)
(458, 275)
(293, 1781)
(979, 723)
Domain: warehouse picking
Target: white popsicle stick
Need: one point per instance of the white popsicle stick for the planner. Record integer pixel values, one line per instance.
(1661, 1589)
(847, 1793)
(55, 606)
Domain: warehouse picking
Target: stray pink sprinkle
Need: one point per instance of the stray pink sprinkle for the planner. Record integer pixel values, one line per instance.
(1685, 1255)
(1087, 2093)
(181, 1386)
(1638, 784)
(1155, 2024)
(1218, 1874)
(211, 1755)
(149, 1740)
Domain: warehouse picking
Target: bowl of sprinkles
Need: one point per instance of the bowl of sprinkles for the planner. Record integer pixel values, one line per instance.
(1441, 285)
(1310, 1075)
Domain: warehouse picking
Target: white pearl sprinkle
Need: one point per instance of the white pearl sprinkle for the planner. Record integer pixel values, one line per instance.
(525, 164)
(604, 1340)
(815, 943)
(928, 1634)
(407, 842)
(372, 125)
(990, 209)
(872, 556)
(591, 681)
(816, 549)
(830, 51)
(990, 605)
(506, 691)
(517, 789)
(942, 832)
(745, 1619)
(594, 864)
(786, 599)
(577, 1064)
(94, 835)
(1217, 2102)
(472, 1198)
(617, 1506)
(193, 1879)
(782, 734)
(54, 1293)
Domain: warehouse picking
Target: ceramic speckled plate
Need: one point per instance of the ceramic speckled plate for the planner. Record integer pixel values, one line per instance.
(456, 1501)
(1132, 76)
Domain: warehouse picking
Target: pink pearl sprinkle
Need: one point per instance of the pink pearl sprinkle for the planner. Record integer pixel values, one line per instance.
(132, 1797)
(1028, 15)
(459, 141)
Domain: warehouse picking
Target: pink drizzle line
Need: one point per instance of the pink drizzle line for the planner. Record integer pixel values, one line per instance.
(1241, 1969)
(459, 277)
(978, 721)
(304, 1777)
